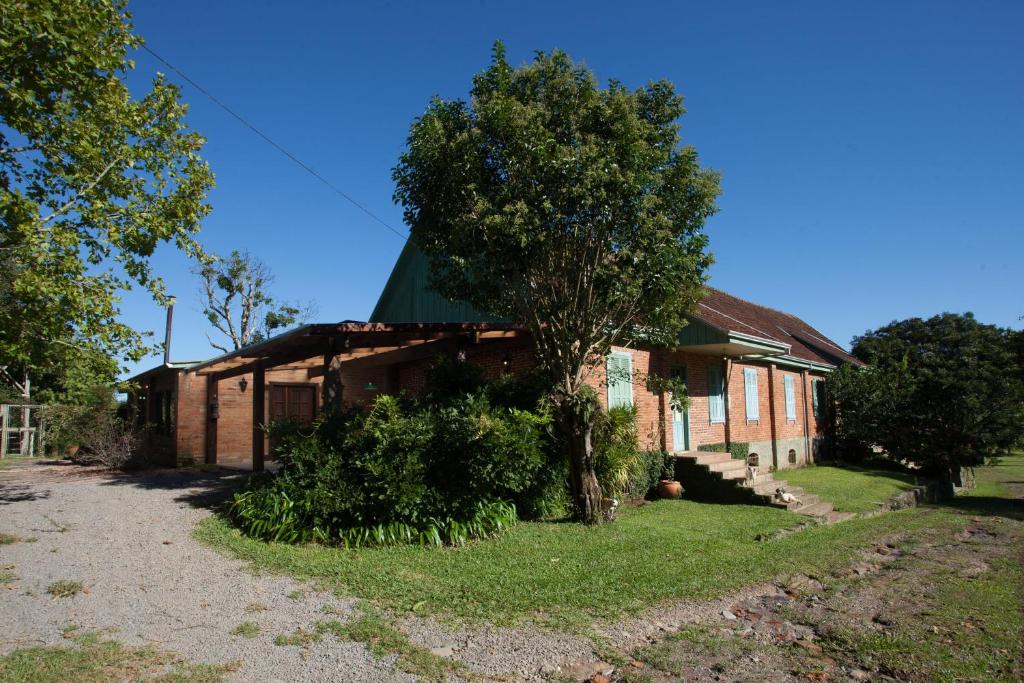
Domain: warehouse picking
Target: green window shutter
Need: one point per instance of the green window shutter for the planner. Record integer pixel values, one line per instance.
(716, 394)
(790, 397)
(620, 380)
(750, 393)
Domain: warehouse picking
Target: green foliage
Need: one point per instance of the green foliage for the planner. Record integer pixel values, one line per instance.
(567, 207)
(406, 471)
(738, 449)
(942, 393)
(92, 181)
(617, 460)
(64, 589)
(237, 302)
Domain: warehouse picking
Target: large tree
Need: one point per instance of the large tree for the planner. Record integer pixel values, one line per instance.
(92, 180)
(565, 206)
(943, 393)
(236, 299)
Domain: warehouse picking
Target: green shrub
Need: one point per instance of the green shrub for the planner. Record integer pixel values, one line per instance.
(616, 449)
(432, 471)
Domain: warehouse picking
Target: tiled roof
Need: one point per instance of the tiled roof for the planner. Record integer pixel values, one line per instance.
(732, 314)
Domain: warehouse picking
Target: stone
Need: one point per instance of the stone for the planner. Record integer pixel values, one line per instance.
(728, 615)
(445, 651)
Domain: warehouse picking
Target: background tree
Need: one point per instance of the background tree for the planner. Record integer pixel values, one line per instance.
(569, 208)
(237, 302)
(942, 393)
(92, 180)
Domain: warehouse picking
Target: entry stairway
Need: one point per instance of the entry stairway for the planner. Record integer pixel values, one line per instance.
(719, 476)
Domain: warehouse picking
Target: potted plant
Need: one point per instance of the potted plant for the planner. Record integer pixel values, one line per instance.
(668, 487)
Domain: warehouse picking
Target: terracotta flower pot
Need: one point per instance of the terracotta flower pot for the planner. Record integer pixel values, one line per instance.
(669, 488)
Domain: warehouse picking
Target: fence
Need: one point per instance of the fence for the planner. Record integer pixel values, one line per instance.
(22, 430)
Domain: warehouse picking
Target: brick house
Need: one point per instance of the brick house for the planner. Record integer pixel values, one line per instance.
(754, 376)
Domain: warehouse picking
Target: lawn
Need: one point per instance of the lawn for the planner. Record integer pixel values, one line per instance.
(567, 576)
(89, 658)
(850, 488)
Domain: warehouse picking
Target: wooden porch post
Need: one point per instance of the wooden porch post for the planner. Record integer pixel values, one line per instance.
(258, 410)
(211, 420)
(807, 422)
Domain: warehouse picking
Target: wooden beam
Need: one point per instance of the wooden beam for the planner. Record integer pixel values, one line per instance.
(258, 407)
(402, 355)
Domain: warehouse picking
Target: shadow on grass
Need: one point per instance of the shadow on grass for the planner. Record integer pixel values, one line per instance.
(987, 506)
(199, 489)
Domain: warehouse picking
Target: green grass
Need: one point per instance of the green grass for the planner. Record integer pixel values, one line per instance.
(92, 660)
(7, 577)
(849, 488)
(64, 589)
(383, 639)
(567, 575)
(299, 637)
(247, 629)
(962, 627)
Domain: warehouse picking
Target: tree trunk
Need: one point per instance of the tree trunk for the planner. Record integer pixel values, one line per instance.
(586, 492)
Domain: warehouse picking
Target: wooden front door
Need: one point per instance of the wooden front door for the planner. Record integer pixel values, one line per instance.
(295, 402)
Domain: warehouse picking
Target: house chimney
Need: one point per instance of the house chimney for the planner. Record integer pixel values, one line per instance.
(167, 334)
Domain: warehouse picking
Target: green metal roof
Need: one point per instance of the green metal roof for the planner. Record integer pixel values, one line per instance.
(407, 297)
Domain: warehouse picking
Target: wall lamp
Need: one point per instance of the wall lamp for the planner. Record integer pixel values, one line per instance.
(242, 384)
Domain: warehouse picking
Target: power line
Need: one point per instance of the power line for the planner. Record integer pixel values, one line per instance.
(273, 144)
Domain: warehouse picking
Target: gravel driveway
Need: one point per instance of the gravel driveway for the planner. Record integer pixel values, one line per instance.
(127, 538)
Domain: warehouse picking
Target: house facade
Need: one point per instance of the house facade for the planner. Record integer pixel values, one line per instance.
(754, 377)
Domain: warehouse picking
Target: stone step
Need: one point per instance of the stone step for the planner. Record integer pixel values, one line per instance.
(816, 509)
(728, 466)
(708, 458)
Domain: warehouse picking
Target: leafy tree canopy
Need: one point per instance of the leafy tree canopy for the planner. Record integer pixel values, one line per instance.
(568, 207)
(942, 393)
(92, 180)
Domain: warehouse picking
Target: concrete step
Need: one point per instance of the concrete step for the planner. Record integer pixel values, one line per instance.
(727, 466)
(709, 458)
(816, 509)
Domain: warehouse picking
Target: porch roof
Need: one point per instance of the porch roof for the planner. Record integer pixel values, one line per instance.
(349, 340)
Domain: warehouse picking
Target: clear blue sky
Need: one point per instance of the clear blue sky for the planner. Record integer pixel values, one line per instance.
(873, 153)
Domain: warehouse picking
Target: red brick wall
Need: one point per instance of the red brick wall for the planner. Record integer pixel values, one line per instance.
(742, 429)
(191, 432)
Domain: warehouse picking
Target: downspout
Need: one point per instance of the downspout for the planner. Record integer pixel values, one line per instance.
(771, 415)
(725, 400)
(807, 424)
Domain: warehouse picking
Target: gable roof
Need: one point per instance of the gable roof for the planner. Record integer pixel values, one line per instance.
(730, 313)
(407, 298)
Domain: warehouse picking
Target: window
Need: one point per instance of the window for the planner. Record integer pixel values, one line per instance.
(620, 379)
(790, 391)
(716, 394)
(818, 397)
(750, 392)
(792, 456)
